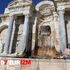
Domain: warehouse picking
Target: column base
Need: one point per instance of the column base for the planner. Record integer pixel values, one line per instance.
(15, 55)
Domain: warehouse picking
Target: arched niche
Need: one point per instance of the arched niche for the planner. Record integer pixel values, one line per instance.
(45, 30)
(45, 27)
(3, 29)
(44, 35)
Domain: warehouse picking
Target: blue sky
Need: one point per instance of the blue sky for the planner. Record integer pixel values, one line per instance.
(36, 1)
(4, 3)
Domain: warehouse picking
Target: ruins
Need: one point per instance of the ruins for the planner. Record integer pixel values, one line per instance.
(36, 30)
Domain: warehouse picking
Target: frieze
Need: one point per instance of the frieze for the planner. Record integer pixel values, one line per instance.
(19, 10)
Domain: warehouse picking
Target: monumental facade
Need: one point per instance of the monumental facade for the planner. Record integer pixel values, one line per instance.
(28, 28)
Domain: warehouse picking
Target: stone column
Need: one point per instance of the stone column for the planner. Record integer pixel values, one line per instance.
(24, 40)
(62, 28)
(8, 35)
(56, 35)
(12, 37)
(34, 33)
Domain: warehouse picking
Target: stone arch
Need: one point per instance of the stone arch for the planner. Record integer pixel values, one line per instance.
(44, 3)
(3, 28)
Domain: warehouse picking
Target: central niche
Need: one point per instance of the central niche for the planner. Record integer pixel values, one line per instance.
(45, 30)
(45, 41)
(44, 47)
(44, 36)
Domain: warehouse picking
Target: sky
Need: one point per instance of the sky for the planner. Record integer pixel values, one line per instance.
(4, 3)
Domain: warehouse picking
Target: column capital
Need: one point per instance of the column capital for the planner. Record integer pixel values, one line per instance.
(13, 17)
(61, 9)
(27, 16)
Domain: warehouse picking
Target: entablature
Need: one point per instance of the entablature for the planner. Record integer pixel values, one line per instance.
(17, 7)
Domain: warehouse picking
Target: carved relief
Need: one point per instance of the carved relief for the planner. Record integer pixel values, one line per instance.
(44, 36)
(45, 11)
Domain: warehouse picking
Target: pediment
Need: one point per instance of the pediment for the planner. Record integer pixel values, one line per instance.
(17, 3)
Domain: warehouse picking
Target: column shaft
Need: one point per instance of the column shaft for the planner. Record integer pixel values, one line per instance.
(62, 30)
(24, 40)
(8, 35)
(57, 35)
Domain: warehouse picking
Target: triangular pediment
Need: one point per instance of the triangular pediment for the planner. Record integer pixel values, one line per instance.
(16, 3)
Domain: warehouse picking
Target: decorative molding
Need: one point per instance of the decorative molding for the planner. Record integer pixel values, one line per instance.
(44, 3)
(63, 5)
(19, 10)
(45, 7)
(17, 3)
(61, 9)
